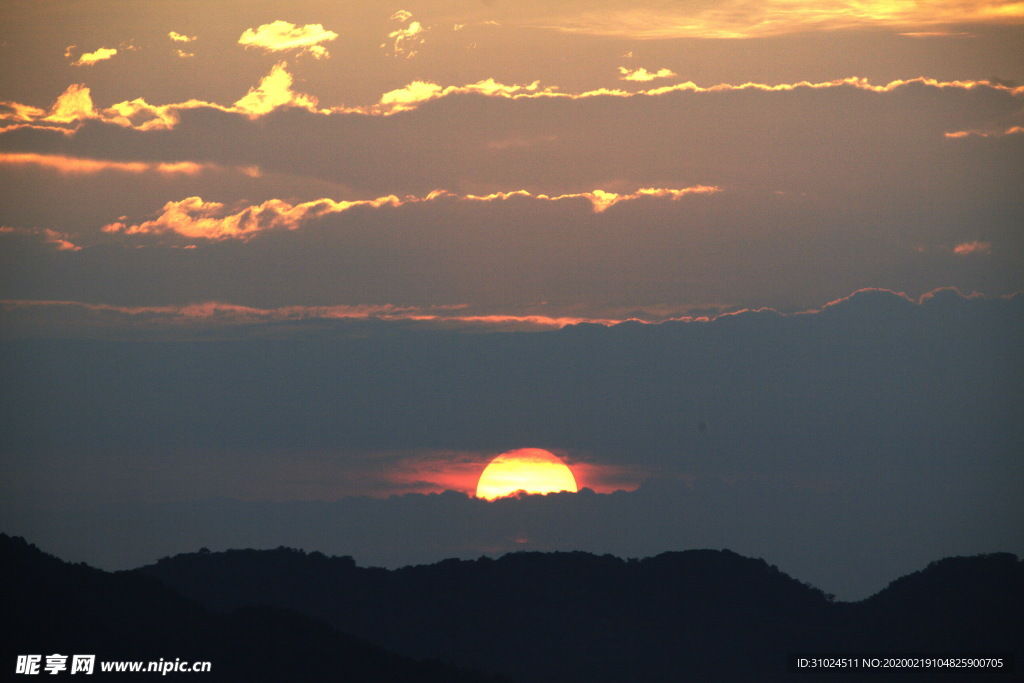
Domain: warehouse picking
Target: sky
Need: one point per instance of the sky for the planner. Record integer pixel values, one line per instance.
(293, 273)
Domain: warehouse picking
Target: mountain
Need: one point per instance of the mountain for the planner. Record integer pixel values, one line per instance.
(50, 606)
(699, 614)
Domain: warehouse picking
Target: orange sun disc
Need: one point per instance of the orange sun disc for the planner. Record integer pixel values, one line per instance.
(532, 470)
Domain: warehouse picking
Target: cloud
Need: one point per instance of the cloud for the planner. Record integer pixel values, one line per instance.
(283, 36)
(738, 19)
(991, 133)
(405, 41)
(53, 237)
(275, 90)
(416, 93)
(198, 219)
(74, 104)
(601, 200)
(440, 471)
(180, 38)
(643, 75)
(83, 166)
(90, 58)
(60, 240)
(970, 248)
(73, 317)
(936, 34)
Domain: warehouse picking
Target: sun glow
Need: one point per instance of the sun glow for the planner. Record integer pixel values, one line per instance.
(532, 470)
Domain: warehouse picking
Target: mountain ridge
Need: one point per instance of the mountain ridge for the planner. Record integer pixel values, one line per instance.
(285, 614)
(567, 616)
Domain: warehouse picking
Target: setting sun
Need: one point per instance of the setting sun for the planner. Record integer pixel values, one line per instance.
(532, 470)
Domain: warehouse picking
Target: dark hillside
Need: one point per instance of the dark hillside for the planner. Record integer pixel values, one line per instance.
(50, 606)
(703, 615)
(572, 616)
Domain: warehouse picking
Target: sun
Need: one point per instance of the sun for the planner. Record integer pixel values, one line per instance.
(532, 470)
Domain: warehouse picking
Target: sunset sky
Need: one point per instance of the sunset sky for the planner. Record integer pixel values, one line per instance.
(284, 273)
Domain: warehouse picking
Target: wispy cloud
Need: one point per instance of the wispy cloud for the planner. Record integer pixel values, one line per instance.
(436, 472)
(218, 314)
(84, 166)
(992, 133)
(49, 236)
(936, 34)
(182, 320)
(180, 38)
(973, 248)
(737, 19)
(284, 36)
(195, 218)
(599, 199)
(61, 240)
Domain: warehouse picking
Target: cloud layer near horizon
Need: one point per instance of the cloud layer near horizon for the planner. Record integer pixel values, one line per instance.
(742, 432)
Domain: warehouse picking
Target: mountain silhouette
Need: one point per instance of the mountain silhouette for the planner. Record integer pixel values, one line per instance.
(50, 606)
(701, 615)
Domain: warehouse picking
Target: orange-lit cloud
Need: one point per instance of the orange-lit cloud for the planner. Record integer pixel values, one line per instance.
(226, 314)
(284, 36)
(735, 19)
(180, 38)
(435, 472)
(60, 240)
(608, 478)
(141, 115)
(854, 82)
(1012, 130)
(90, 58)
(418, 92)
(197, 219)
(75, 106)
(107, 319)
(975, 247)
(439, 471)
(601, 200)
(642, 75)
(407, 40)
(83, 166)
(936, 34)
(275, 90)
